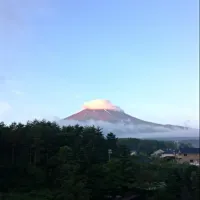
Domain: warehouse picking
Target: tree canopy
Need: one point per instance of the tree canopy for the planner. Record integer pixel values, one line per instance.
(40, 160)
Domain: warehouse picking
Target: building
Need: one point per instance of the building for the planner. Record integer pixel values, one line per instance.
(183, 155)
(157, 153)
(167, 154)
(189, 155)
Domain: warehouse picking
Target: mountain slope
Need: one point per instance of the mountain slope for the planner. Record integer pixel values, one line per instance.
(115, 117)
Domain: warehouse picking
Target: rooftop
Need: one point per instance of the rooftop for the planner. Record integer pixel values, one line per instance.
(189, 150)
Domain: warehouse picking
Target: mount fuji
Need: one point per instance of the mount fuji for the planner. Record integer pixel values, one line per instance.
(103, 111)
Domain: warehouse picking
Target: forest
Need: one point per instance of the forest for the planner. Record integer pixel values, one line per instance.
(41, 161)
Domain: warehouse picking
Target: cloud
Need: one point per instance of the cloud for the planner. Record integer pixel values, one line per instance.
(119, 129)
(138, 131)
(101, 104)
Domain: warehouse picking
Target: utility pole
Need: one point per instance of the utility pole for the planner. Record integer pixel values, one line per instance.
(109, 153)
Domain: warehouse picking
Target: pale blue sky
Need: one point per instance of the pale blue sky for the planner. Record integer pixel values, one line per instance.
(141, 55)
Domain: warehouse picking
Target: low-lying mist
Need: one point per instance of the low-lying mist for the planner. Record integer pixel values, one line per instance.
(137, 131)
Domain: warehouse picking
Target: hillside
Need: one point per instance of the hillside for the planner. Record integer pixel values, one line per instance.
(114, 117)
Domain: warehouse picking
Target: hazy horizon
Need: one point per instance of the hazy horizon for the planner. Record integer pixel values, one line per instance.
(133, 131)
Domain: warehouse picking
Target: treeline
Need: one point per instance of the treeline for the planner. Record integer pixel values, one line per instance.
(146, 146)
(40, 160)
